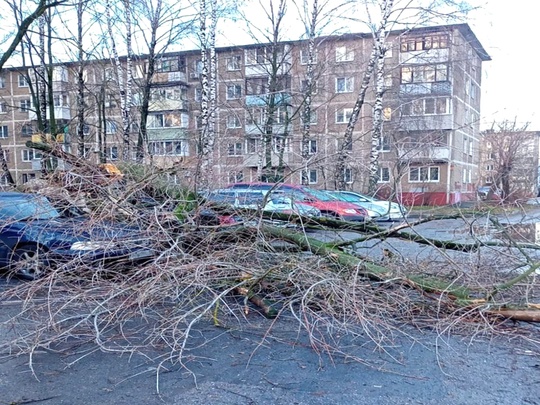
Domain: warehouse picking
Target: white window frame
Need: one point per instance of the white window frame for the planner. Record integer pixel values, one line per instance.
(2, 82)
(304, 56)
(234, 63)
(111, 127)
(279, 143)
(233, 121)
(24, 130)
(384, 144)
(347, 175)
(3, 107)
(313, 116)
(25, 105)
(343, 54)
(23, 81)
(384, 175)
(252, 145)
(27, 155)
(235, 149)
(344, 84)
(4, 131)
(312, 146)
(313, 176)
(427, 178)
(343, 115)
(234, 92)
(235, 176)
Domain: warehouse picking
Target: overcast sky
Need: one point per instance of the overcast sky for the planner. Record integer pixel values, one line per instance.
(511, 80)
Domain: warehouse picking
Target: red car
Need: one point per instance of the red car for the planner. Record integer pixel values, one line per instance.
(327, 204)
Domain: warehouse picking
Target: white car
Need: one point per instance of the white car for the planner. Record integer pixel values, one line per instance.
(378, 210)
(283, 204)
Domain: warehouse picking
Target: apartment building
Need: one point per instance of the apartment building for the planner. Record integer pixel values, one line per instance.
(428, 151)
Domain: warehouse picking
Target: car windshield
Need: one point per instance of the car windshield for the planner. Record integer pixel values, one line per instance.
(348, 197)
(20, 209)
(319, 195)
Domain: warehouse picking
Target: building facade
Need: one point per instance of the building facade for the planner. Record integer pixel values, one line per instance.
(428, 150)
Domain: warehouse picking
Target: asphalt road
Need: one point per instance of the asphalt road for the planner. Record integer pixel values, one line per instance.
(251, 367)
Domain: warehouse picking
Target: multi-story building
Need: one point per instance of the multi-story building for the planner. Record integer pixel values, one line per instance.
(428, 151)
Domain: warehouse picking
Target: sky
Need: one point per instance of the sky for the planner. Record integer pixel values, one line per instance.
(511, 80)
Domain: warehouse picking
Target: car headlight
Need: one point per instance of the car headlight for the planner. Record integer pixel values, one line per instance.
(89, 245)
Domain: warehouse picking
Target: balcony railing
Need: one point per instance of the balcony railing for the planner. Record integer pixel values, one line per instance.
(423, 153)
(60, 113)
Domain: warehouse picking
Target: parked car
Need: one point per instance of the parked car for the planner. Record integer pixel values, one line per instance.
(274, 201)
(35, 237)
(324, 202)
(490, 192)
(378, 209)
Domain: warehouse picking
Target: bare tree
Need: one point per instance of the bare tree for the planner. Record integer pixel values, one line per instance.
(510, 159)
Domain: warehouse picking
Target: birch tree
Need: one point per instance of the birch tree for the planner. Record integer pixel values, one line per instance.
(125, 84)
(207, 27)
(376, 58)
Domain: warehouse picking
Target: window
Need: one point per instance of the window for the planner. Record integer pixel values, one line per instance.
(255, 116)
(281, 115)
(169, 148)
(424, 174)
(313, 176)
(3, 107)
(252, 145)
(2, 82)
(312, 117)
(426, 106)
(27, 130)
(198, 94)
(168, 120)
(425, 43)
(387, 114)
(236, 177)
(30, 154)
(256, 85)
(384, 144)
(110, 101)
(234, 92)
(388, 81)
(60, 100)
(424, 73)
(305, 87)
(312, 146)
(343, 54)
(281, 144)
(233, 121)
(112, 152)
(344, 84)
(110, 127)
(343, 115)
(198, 67)
(490, 168)
(258, 56)
(234, 62)
(171, 65)
(304, 56)
(347, 175)
(234, 149)
(108, 75)
(23, 81)
(384, 175)
(25, 105)
(4, 132)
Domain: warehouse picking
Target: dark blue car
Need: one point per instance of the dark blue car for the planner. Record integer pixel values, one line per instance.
(35, 237)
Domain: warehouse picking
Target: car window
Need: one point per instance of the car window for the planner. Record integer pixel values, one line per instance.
(319, 195)
(25, 209)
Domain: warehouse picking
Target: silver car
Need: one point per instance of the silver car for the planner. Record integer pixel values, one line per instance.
(378, 210)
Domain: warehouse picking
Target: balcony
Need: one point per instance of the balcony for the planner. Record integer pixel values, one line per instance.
(426, 122)
(423, 57)
(168, 105)
(415, 152)
(422, 89)
(252, 160)
(166, 133)
(252, 129)
(261, 100)
(60, 113)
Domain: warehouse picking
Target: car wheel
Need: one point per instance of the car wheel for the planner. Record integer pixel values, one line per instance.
(27, 262)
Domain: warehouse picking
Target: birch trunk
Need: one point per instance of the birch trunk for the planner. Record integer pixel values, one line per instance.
(202, 175)
(80, 80)
(306, 114)
(380, 48)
